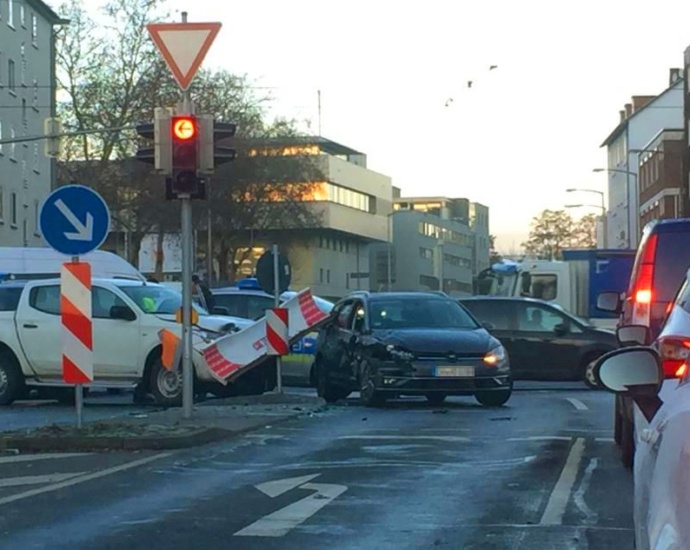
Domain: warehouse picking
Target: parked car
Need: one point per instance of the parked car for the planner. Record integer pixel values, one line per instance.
(127, 317)
(409, 343)
(248, 301)
(662, 260)
(662, 483)
(544, 342)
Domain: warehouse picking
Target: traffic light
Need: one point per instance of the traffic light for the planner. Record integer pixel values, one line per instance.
(159, 132)
(185, 155)
(211, 153)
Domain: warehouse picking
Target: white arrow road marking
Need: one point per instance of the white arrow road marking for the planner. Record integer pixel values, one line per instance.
(284, 520)
(37, 480)
(277, 488)
(84, 231)
(555, 508)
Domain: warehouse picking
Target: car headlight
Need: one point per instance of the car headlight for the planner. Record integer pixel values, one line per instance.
(398, 353)
(495, 356)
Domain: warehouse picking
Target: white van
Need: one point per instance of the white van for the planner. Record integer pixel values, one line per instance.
(40, 263)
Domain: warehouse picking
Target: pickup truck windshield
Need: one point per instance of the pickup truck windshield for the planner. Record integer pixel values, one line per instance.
(157, 299)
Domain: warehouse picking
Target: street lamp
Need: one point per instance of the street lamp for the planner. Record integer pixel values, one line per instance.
(618, 170)
(602, 206)
(390, 247)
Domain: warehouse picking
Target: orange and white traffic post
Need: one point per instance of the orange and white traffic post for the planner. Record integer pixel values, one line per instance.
(77, 329)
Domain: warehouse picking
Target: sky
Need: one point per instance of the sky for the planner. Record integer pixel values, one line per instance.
(515, 141)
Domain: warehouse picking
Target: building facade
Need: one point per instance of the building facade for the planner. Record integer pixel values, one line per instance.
(437, 243)
(640, 121)
(27, 98)
(662, 193)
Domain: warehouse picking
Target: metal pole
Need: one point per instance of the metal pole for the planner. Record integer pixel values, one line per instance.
(187, 365)
(390, 246)
(78, 388)
(276, 301)
(440, 268)
(209, 235)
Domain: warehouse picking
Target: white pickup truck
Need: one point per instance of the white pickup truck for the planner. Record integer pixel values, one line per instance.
(127, 317)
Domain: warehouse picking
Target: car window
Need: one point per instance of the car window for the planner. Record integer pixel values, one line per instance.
(544, 287)
(157, 299)
(45, 299)
(102, 300)
(358, 322)
(344, 315)
(535, 318)
(257, 306)
(235, 303)
(400, 313)
(671, 264)
(9, 298)
(496, 312)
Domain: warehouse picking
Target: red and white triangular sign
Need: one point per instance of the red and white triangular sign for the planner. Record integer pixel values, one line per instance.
(183, 46)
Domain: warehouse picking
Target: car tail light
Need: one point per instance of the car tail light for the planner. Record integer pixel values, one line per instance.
(643, 291)
(675, 353)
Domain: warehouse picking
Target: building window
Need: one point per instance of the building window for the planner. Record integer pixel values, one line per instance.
(22, 15)
(23, 56)
(328, 276)
(2, 64)
(13, 209)
(34, 29)
(347, 280)
(10, 73)
(36, 158)
(13, 145)
(321, 275)
(2, 207)
(1, 151)
(426, 253)
(25, 122)
(37, 211)
(35, 99)
(10, 16)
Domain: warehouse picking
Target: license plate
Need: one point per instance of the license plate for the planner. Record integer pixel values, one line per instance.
(454, 372)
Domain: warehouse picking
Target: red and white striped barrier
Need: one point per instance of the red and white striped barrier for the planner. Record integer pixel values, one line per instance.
(230, 354)
(77, 328)
(277, 334)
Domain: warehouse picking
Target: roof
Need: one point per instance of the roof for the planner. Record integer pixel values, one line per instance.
(670, 225)
(504, 298)
(324, 144)
(411, 295)
(618, 130)
(46, 11)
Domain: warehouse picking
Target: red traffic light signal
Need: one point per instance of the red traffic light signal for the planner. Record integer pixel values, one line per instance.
(184, 128)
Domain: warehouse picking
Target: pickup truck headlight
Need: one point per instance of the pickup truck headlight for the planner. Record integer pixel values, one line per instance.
(495, 357)
(398, 353)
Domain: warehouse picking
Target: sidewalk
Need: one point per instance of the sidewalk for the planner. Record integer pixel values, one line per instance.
(211, 420)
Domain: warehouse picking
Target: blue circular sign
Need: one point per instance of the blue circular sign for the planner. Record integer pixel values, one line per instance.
(74, 220)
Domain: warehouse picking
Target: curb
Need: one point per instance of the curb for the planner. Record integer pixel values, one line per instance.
(202, 436)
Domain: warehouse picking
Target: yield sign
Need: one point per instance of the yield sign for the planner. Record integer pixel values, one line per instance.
(183, 46)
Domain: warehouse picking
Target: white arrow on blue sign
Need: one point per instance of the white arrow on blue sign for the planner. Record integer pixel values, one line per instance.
(74, 220)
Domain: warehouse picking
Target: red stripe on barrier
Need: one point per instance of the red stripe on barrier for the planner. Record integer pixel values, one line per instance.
(71, 373)
(311, 312)
(81, 272)
(276, 344)
(76, 322)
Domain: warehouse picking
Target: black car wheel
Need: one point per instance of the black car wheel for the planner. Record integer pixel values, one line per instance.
(494, 398)
(11, 378)
(370, 396)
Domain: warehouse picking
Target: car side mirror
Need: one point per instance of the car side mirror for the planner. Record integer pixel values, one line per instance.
(561, 329)
(633, 335)
(221, 310)
(610, 301)
(488, 325)
(122, 313)
(634, 372)
(353, 339)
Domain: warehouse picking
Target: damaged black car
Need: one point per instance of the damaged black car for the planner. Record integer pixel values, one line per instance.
(386, 345)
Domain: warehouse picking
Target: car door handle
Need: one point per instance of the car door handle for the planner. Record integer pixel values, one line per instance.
(29, 325)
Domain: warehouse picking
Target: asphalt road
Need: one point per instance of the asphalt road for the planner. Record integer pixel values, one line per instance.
(539, 473)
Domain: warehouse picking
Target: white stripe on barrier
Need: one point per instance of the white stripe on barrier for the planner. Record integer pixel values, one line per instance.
(73, 289)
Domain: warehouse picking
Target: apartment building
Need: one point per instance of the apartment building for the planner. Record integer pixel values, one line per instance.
(27, 98)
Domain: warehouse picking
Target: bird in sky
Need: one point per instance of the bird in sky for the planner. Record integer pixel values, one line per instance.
(493, 67)
(469, 85)
(449, 101)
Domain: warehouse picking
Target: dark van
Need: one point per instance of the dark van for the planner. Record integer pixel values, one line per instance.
(661, 263)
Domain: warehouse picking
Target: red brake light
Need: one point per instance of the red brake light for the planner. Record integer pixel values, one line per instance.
(644, 282)
(675, 353)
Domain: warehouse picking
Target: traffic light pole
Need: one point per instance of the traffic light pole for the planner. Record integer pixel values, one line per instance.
(187, 340)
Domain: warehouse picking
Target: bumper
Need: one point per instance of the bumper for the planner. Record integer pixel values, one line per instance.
(421, 385)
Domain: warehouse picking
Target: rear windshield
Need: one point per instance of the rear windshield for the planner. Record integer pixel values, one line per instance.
(671, 264)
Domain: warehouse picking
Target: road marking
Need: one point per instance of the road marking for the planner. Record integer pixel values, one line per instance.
(407, 437)
(605, 440)
(82, 479)
(276, 488)
(36, 480)
(555, 507)
(541, 438)
(286, 519)
(28, 458)
(579, 405)
(579, 497)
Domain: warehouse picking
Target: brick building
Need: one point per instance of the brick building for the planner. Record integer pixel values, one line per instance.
(660, 169)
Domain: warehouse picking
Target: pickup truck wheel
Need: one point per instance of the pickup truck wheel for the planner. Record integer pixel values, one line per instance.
(11, 379)
(166, 385)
